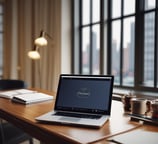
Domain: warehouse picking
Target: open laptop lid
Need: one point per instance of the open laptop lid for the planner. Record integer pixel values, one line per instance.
(84, 93)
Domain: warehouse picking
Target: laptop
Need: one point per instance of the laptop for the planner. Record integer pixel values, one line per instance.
(81, 100)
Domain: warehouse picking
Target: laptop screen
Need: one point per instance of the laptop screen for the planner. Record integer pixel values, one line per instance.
(86, 94)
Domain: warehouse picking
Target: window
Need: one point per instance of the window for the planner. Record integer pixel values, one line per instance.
(1, 40)
(118, 37)
(122, 41)
(90, 36)
(149, 43)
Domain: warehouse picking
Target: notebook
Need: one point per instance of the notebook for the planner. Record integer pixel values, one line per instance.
(25, 96)
(81, 100)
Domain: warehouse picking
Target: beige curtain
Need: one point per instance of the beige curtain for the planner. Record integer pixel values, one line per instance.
(24, 19)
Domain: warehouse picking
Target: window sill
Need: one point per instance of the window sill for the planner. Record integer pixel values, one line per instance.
(118, 93)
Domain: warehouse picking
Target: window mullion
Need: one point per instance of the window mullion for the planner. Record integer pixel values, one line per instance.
(156, 47)
(121, 54)
(109, 38)
(101, 37)
(91, 39)
(80, 36)
(139, 44)
(121, 45)
(155, 56)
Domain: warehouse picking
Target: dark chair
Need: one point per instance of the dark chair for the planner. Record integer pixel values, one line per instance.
(9, 134)
(9, 84)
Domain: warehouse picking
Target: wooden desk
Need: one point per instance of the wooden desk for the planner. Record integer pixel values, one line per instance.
(146, 134)
(23, 116)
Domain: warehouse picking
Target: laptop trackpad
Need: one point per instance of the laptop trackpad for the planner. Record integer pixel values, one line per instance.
(69, 119)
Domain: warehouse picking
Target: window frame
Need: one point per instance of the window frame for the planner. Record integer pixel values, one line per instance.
(90, 25)
(105, 43)
(139, 38)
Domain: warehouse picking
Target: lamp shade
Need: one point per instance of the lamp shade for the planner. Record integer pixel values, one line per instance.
(34, 55)
(41, 41)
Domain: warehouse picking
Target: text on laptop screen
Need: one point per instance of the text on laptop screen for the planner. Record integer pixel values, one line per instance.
(84, 94)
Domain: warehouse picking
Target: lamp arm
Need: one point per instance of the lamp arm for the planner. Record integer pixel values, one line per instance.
(43, 34)
(48, 36)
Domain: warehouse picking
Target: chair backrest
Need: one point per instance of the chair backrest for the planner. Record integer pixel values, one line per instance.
(7, 84)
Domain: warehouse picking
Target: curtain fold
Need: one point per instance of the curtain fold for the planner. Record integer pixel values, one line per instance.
(24, 20)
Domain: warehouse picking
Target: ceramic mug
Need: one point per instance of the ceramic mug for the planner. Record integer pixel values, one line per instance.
(153, 108)
(138, 106)
(126, 100)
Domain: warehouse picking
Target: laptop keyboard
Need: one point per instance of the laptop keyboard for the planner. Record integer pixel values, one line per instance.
(78, 115)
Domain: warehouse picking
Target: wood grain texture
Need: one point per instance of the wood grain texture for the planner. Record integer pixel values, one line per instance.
(23, 116)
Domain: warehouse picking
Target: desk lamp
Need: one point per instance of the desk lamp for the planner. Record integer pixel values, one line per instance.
(39, 42)
(34, 54)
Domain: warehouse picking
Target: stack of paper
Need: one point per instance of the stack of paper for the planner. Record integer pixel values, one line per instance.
(9, 94)
(25, 96)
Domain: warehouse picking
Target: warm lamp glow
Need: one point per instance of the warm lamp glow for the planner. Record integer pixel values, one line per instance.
(41, 41)
(34, 55)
